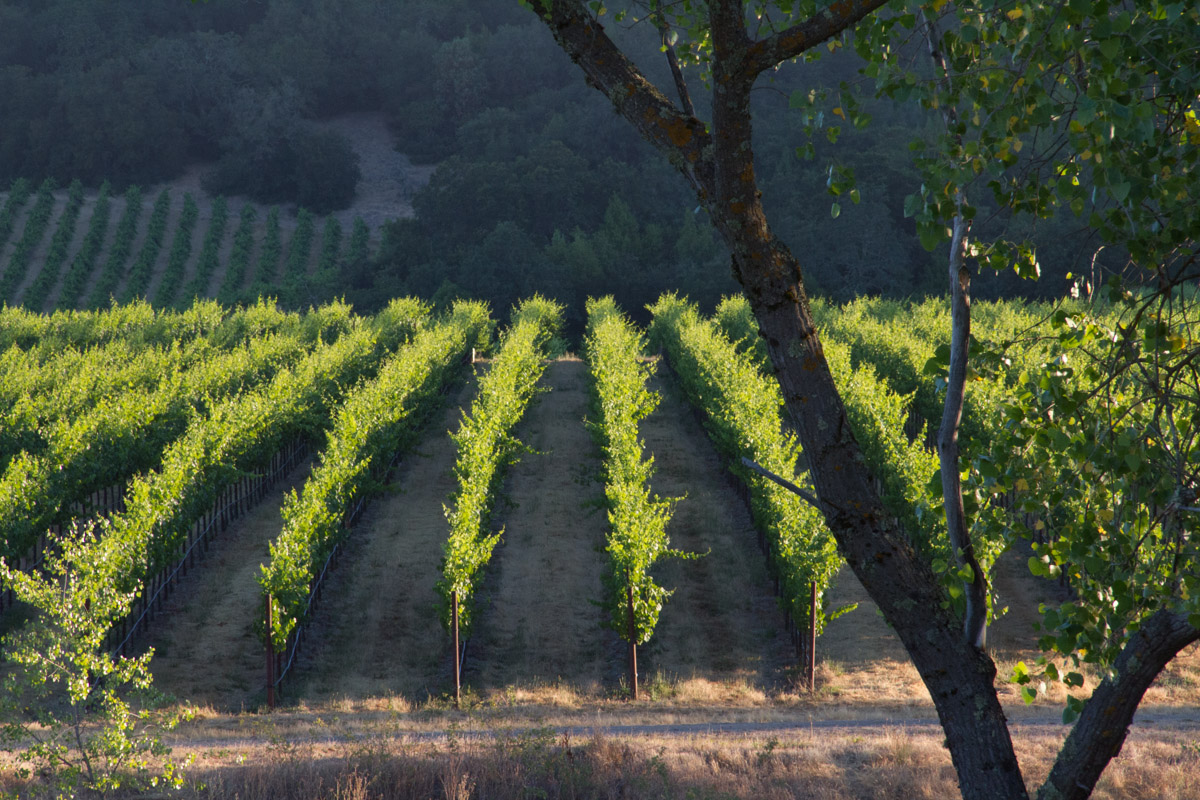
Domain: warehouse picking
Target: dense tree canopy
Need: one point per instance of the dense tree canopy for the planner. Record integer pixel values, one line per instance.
(480, 89)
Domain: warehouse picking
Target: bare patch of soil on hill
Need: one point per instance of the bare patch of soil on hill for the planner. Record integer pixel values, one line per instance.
(389, 180)
(384, 192)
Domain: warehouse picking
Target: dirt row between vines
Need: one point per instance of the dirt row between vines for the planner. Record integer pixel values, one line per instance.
(540, 629)
(206, 650)
(540, 651)
(539, 633)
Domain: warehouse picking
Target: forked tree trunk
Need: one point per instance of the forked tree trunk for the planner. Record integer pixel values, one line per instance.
(720, 166)
(958, 675)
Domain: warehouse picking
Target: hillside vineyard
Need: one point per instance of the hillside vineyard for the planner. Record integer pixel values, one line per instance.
(67, 249)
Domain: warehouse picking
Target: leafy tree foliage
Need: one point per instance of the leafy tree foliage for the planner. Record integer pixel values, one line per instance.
(81, 718)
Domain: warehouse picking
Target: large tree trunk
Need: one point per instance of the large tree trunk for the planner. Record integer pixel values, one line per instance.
(958, 675)
(720, 166)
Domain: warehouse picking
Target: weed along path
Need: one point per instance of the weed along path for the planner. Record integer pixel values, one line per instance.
(378, 633)
(205, 649)
(723, 623)
(536, 621)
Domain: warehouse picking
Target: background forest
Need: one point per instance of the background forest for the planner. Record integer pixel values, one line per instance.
(539, 186)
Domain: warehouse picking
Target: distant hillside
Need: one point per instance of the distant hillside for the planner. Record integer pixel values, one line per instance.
(72, 247)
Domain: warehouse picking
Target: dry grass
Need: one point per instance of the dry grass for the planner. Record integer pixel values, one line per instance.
(838, 765)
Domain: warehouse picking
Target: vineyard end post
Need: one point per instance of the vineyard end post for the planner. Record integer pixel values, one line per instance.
(812, 639)
(270, 659)
(633, 674)
(457, 663)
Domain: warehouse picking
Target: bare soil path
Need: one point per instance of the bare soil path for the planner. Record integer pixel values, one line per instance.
(537, 623)
(378, 632)
(723, 623)
(206, 651)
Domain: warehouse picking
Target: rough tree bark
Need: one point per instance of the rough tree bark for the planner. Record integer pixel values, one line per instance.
(719, 165)
(720, 168)
(1100, 730)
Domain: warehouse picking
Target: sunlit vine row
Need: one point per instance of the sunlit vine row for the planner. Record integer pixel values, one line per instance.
(486, 444)
(231, 437)
(123, 435)
(380, 418)
(742, 413)
(637, 520)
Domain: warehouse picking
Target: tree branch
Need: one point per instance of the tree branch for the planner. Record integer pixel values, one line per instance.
(680, 136)
(784, 482)
(1098, 735)
(685, 99)
(975, 590)
(791, 42)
